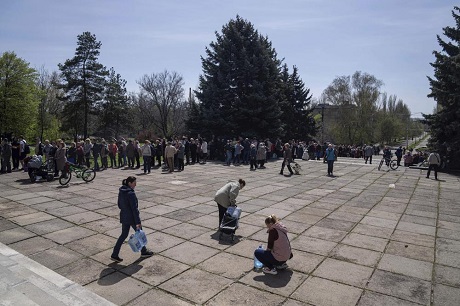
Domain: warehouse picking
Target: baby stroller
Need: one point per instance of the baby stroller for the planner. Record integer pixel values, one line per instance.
(230, 222)
(36, 168)
(297, 168)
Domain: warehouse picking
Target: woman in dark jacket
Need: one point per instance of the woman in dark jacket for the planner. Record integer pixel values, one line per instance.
(129, 216)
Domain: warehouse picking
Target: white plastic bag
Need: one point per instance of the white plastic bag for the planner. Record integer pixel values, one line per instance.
(137, 240)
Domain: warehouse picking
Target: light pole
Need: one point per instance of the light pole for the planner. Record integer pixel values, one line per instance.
(322, 123)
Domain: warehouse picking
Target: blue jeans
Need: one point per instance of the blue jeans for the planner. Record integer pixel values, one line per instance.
(229, 158)
(330, 166)
(124, 234)
(147, 163)
(266, 257)
(246, 156)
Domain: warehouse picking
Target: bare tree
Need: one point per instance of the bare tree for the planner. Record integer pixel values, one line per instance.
(162, 100)
(50, 106)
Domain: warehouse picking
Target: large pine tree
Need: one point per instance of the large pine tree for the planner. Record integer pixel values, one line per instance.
(445, 89)
(83, 82)
(114, 110)
(296, 115)
(239, 86)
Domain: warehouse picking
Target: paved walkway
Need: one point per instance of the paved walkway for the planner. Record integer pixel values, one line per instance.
(356, 240)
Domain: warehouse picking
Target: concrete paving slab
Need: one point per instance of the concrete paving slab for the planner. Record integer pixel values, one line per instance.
(118, 288)
(447, 275)
(410, 251)
(366, 242)
(317, 291)
(154, 270)
(320, 213)
(401, 286)
(196, 285)
(406, 266)
(376, 299)
(160, 297)
(446, 295)
(239, 294)
(344, 272)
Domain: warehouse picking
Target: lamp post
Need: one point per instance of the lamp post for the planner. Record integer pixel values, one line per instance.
(322, 123)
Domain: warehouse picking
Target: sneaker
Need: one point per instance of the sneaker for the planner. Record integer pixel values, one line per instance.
(282, 267)
(269, 271)
(147, 253)
(116, 258)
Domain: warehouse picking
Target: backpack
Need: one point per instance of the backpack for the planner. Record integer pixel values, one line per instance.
(26, 149)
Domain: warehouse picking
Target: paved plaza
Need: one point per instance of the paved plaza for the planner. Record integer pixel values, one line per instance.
(356, 238)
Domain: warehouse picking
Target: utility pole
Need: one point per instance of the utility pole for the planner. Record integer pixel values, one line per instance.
(322, 124)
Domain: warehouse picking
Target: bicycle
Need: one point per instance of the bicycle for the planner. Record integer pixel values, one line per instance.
(392, 163)
(86, 174)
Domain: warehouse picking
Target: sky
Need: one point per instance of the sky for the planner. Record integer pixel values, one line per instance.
(393, 40)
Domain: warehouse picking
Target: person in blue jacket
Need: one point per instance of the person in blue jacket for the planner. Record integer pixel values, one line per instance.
(129, 216)
(330, 156)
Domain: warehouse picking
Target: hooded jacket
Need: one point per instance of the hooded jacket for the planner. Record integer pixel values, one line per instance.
(127, 202)
(278, 242)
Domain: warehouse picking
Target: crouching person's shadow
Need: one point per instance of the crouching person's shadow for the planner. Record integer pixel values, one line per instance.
(275, 281)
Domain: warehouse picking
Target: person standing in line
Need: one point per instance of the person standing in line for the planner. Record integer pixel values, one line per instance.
(137, 153)
(87, 147)
(193, 148)
(368, 152)
(147, 156)
(170, 151)
(96, 153)
(6, 156)
(434, 160)
(180, 155)
(39, 147)
(129, 216)
(226, 196)
(261, 155)
(399, 154)
(113, 154)
(22, 151)
(331, 156)
(60, 157)
(253, 157)
(204, 150)
(72, 153)
(130, 154)
(104, 154)
(287, 159)
(158, 152)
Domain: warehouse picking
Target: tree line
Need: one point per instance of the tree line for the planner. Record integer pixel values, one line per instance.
(244, 89)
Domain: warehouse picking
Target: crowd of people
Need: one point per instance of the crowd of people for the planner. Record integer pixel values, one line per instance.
(174, 154)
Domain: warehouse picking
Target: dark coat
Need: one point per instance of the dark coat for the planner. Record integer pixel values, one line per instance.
(129, 210)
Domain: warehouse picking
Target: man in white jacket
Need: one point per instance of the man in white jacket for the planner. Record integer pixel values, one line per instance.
(434, 160)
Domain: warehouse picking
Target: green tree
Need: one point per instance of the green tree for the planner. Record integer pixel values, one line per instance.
(18, 96)
(445, 89)
(83, 81)
(115, 108)
(296, 115)
(239, 87)
(357, 99)
(50, 107)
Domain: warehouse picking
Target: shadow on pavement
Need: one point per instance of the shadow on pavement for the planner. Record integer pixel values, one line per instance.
(275, 281)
